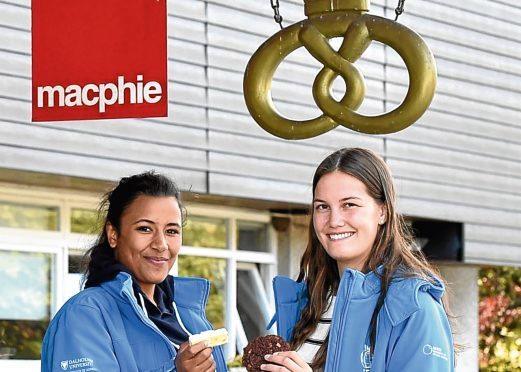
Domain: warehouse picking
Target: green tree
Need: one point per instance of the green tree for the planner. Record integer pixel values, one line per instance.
(500, 319)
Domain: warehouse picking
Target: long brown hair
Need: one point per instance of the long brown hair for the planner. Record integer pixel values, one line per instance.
(392, 247)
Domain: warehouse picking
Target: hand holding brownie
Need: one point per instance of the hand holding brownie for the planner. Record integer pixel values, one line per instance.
(272, 353)
(285, 361)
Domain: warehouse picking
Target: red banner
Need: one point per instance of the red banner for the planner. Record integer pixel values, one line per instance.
(98, 59)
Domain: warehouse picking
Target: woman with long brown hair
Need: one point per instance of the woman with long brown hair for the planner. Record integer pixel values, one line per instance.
(365, 299)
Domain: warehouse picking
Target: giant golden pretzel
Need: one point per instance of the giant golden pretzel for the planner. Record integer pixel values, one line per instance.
(328, 19)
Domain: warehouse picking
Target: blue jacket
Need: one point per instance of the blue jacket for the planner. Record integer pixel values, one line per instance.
(413, 332)
(104, 329)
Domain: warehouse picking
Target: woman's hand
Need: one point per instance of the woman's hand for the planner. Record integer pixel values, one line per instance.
(195, 358)
(285, 361)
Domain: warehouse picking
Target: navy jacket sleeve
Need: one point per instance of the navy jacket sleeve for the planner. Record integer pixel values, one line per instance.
(424, 342)
(77, 339)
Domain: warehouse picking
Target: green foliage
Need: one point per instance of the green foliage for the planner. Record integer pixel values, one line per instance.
(235, 362)
(500, 319)
(205, 232)
(84, 221)
(213, 269)
(28, 216)
(22, 339)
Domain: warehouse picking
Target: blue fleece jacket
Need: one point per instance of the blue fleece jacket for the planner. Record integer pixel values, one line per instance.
(104, 329)
(413, 332)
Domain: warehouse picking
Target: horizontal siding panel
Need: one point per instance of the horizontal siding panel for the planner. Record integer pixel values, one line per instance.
(15, 64)
(156, 132)
(334, 139)
(15, 16)
(182, 50)
(93, 167)
(187, 9)
(255, 188)
(475, 90)
(465, 196)
(459, 35)
(462, 106)
(15, 110)
(15, 87)
(479, 74)
(246, 166)
(492, 254)
(492, 234)
(461, 124)
(235, 122)
(291, 11)
(452, 158)
(182, 93)
(186, 115)
(460, 141)
(270, 148)
(496, 9)
(15, 41)
(457, 213)
(35, 136)
(475, 57)
(186, 29)
(484, 23)
(187, 73)
(452, 176)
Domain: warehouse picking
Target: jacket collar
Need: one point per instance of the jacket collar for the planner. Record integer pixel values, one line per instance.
(187, 292)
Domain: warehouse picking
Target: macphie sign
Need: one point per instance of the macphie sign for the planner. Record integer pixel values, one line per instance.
(98, 59)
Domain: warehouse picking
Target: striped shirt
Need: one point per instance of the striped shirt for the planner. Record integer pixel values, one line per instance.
(310, 347)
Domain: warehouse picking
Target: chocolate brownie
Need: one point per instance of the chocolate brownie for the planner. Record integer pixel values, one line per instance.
(254, 352)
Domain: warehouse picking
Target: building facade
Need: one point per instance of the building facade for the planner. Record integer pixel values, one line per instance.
(458, 169)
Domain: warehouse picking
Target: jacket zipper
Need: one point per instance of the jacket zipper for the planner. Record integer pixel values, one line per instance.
(342, 318)
(147, 321)
(207, 322)
(277, 307)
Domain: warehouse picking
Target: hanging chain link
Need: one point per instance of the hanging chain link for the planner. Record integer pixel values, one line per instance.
(277, 17)
(399, 9)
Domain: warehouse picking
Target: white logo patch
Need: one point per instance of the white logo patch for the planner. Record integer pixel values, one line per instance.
(365, 359)
(435, 351)
(78, 365)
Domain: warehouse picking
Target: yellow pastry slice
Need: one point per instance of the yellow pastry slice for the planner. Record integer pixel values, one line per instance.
(213, 337)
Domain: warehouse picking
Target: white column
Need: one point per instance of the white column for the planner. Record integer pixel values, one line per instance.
(462, 281)
(231, 292)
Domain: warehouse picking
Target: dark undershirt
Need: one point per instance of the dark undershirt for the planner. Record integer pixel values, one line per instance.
(163, 315)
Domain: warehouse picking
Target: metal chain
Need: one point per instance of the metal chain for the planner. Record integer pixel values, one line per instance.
(277, 17)
(399, 9)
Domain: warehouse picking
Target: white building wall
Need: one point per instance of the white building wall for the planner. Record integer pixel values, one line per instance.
(460, 162)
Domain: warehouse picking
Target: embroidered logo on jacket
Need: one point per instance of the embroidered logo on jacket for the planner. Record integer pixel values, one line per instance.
(365, 359)
(435, 351)
(78, 365)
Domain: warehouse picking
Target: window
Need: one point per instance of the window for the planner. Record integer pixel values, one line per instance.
(235, 251)
(38, 230)
(25, 309)
(28, 216)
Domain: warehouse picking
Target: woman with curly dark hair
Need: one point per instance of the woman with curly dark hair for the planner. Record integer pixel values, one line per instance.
(132, 315)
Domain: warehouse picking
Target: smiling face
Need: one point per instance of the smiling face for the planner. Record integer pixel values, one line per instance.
(148, 240)
(346, 219)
